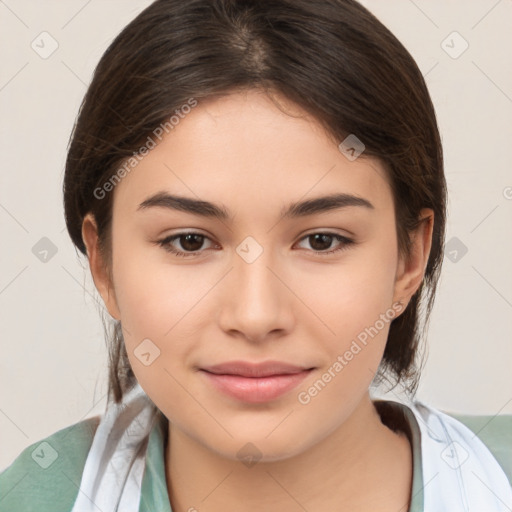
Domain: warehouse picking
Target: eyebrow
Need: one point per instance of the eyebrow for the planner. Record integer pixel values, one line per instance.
(294, 210)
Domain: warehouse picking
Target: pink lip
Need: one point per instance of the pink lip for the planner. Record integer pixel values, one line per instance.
(255, 383)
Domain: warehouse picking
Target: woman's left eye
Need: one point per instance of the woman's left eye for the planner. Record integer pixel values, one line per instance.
(323, 240)
(192, 243)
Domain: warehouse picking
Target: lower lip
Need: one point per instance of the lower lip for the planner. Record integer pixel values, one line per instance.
(255, 389)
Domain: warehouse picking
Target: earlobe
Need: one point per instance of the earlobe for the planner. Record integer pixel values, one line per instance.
(99, 271)
(410, 273)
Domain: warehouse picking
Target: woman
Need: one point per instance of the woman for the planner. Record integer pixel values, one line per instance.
(259, 190)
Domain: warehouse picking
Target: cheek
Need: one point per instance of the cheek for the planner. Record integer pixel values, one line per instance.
(166, 304)
(158, 303)
(153, 296)
(354, 300)
(351, 294)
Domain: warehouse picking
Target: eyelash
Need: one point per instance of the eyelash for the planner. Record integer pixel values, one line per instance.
(165, 243)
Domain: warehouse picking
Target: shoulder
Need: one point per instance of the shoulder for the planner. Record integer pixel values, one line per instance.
(495, 432)
(464, 460)
(46, 475)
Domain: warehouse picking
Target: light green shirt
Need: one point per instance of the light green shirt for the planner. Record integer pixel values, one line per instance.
(46, 475)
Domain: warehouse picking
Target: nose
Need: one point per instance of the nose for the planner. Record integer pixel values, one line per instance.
(256, 302)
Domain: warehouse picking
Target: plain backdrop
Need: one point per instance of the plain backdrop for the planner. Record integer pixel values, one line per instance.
(53, 362)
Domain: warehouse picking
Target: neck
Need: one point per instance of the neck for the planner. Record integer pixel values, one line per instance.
(363, 465)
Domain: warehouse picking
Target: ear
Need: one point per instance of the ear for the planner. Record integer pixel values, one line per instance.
(410, 273)
(99, 269)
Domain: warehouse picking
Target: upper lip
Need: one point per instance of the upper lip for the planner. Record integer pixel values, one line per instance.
(248, 369)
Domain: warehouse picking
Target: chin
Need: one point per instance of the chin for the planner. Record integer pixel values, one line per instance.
(257, 447)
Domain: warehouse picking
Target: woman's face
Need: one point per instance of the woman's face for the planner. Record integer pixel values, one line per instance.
(256, 286)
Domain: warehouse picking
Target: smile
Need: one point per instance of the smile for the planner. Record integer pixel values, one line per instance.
(255, 383)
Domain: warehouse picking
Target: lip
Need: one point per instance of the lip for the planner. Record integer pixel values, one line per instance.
(248, 369)
(255, 382)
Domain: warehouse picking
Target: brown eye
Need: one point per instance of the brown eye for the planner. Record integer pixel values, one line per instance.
(321, 242)
(186, 244)
(191, 242)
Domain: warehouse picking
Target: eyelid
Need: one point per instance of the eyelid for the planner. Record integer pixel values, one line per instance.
(328, 231)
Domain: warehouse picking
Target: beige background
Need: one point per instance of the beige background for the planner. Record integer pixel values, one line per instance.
(53, 357)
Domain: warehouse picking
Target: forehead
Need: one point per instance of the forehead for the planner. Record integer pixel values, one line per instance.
(245, 152)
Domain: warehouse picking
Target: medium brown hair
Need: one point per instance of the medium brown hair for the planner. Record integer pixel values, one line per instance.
(332, 58)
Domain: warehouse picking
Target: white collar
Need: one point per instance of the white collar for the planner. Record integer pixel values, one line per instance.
(460, 474)
(113, 471)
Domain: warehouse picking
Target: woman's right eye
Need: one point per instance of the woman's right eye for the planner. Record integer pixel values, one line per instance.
(190, 241)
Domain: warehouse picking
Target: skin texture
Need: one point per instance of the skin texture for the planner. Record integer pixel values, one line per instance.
(290, 304)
